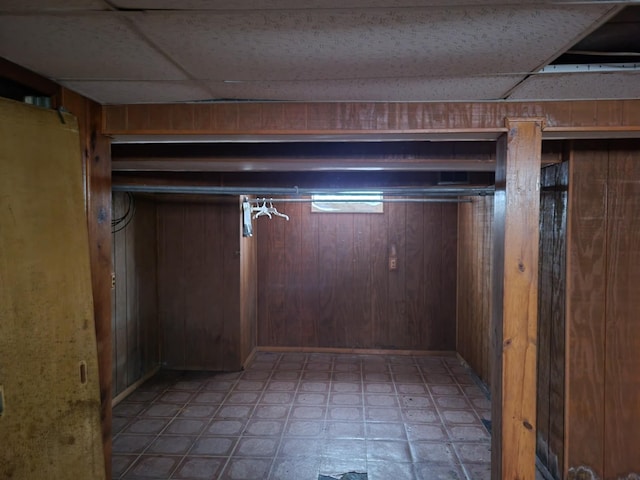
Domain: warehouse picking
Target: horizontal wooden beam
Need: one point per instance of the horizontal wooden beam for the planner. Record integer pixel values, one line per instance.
(27, 78)
(459, 120)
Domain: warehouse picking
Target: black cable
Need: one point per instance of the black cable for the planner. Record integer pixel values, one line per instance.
(115, 222)
(128, 216)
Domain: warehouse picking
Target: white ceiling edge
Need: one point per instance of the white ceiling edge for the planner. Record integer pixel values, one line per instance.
(579, 86)
(134, 92)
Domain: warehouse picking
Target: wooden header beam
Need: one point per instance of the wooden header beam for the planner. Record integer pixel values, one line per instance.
(472, 120)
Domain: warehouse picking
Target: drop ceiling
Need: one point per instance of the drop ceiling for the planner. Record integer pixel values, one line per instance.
(157, 51)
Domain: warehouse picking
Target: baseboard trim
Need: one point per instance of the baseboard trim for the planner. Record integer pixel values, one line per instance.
(249, 358)
(134, 386)
(361, 351)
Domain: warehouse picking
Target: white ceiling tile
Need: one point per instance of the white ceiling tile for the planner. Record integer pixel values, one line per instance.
(52, 5)
(405, 90)
(578, 86)
(352, 44)
(118, 92)
(87, 46)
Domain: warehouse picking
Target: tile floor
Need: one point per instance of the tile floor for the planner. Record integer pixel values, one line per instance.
(295, 415)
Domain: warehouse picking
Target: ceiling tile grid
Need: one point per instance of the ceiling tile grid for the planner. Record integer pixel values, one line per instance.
(359, 44)
(579, 86)
(377, 90)
(82, 47)
(151, 51)
(118, 92)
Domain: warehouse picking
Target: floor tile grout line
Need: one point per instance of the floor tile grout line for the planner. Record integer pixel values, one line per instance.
(364, 416)
(449, 439)
(463, 465)
(286, 422)
(255, 406)
(213, 414)
(388, 365)
(404, 423)
(325, 419)
(159, 434)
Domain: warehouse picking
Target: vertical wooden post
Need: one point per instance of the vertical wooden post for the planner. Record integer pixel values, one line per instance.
(96, 166)
(515, 300)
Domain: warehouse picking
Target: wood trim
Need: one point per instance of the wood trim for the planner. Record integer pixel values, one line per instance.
(515, 300)
(483, 120)
(27, 78)
(362, 351)
(134, 386)
(249, 358)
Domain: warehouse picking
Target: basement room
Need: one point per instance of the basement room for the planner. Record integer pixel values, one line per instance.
(298, 240)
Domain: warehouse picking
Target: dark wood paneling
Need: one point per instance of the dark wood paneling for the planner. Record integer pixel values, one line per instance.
(199, 284)
(586, 300)
(551, 315)
(622, 334)
(324, 279)
(475, 245)
(135, 316)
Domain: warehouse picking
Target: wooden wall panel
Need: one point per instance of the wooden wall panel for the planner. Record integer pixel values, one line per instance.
(324, 279)
(135, 316)
(551, 315)
(603, 384)
(475, 245)
(199, 284)
(622, 334)
(586, 300)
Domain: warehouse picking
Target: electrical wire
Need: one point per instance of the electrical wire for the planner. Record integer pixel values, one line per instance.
(122, 222)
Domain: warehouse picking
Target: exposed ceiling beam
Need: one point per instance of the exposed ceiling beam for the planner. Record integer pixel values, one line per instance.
(342, 121)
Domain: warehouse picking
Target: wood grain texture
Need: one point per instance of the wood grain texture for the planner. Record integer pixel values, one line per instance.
(474, 273)
(515, 285)
(479, 118)
(586, 300)
(551, 317)
(199, 287)
(324, 279)
(135, 316)
(96, 170)
(622, 334)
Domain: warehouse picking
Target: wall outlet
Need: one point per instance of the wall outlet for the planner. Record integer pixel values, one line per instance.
(393, 263)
